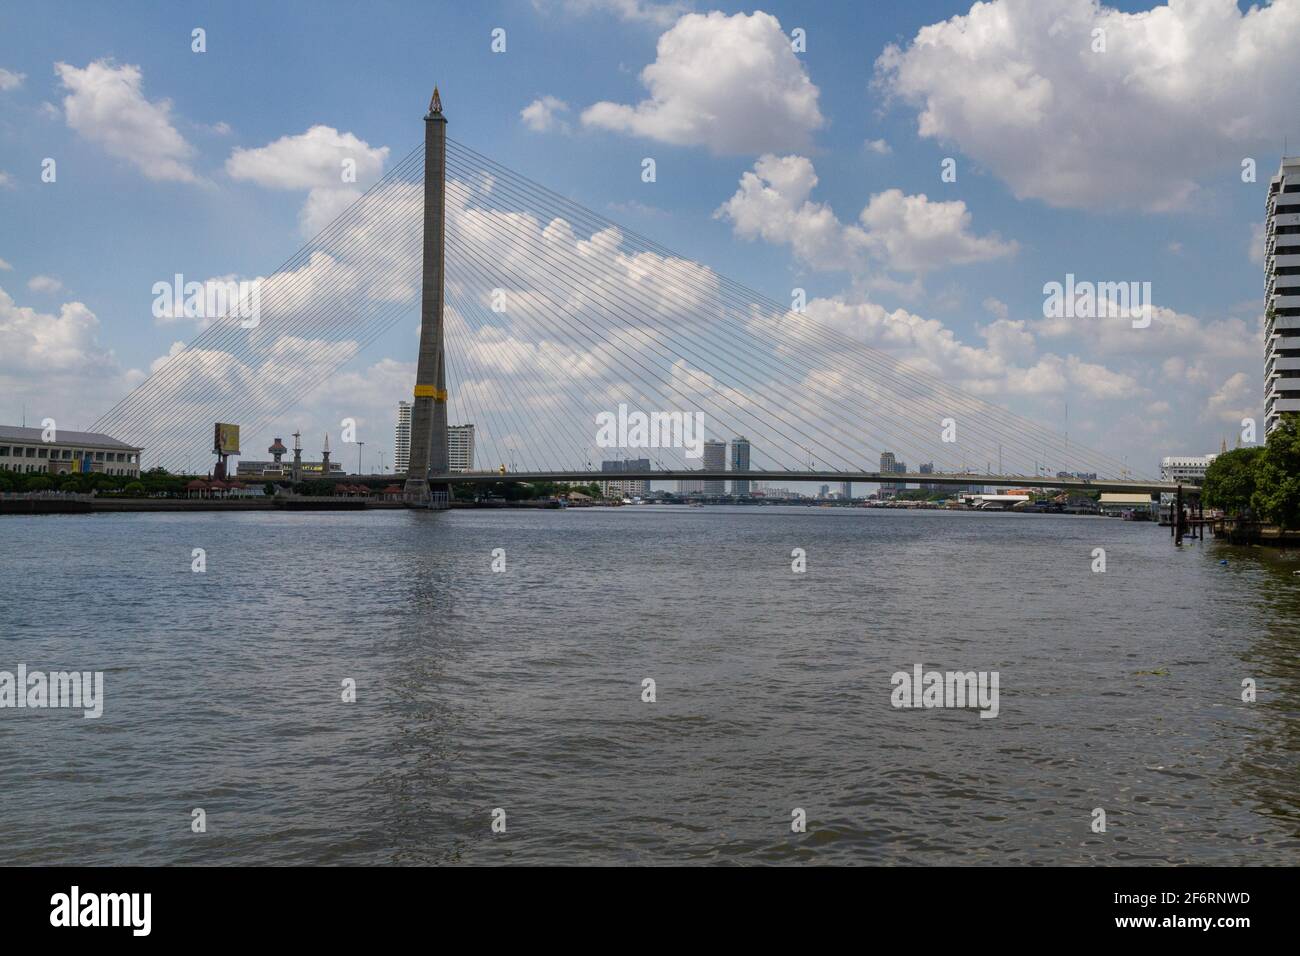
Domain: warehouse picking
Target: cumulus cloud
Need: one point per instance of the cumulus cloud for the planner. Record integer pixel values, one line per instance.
(54, 362)
(314, 158)
(542, 115)
(905, 233)
(5, 267)
(729, 83)
(6, 180)
(44, 284)
(930, 347)
(332, 165)
(106, 105)
(1017, 86)
(1234, 400)
(659, 14)
(10, 80)
(878, 146)
(996, 307)
(32, 342)
(913, 234)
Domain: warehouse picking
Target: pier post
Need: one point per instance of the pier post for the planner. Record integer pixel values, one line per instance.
(1179, 519)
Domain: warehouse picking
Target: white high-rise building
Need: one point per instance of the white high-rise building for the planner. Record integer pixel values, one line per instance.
(402, 438)
(715, 459)
(1187, 468)
(740, 462)
(1282, 294)
(460, 447)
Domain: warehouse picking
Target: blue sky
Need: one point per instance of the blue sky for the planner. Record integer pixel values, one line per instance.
(1129, 170)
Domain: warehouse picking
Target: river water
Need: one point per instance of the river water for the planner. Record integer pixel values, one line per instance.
(521, 690)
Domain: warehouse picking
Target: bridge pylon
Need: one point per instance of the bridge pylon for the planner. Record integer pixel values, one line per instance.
(429, 453)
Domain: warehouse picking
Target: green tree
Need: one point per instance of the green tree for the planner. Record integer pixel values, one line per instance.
(1276, 496)
(135, 489)
(1231, 479)
(37, 483)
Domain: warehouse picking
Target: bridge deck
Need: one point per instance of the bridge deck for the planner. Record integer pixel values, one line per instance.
(1135, 486)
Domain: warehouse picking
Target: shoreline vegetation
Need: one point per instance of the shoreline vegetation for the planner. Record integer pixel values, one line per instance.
(1258, 488)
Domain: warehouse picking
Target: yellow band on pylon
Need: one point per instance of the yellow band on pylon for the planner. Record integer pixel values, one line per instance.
(426, 391)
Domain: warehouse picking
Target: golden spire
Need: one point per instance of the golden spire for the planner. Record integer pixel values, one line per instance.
(435, 104)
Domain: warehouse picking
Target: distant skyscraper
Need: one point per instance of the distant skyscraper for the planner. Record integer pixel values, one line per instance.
(627, 486)
(927, 469)
(887, 467)
(460, 447)
(846, 489)
(715, 459)
(402, 438)
(1282, 294)
(740, 462)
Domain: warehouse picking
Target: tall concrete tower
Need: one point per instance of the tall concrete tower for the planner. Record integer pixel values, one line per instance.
(429, 410)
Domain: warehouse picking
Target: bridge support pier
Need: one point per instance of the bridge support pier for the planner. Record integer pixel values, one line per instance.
(429, 410)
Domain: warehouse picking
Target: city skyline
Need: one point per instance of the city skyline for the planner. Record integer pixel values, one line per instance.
(931, 299)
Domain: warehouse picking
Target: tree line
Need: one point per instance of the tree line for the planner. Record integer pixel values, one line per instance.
(1260, 483)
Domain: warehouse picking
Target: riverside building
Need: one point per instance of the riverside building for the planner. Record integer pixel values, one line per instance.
(24, 450)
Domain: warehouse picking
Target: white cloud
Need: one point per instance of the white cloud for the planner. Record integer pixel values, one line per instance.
(5, 267)
(996, 307)
(878, 146)
(906, 233)
(659, 14)
(1234, 400)
(315, 160)
(541, 115)
(1015, 85)
(44, 284)
(913, 234)
(54, 363)
(33, 342)
(105, 104)
(10, 80)
(731, 84)
(308, 160)
(6, 180)
(1255, 250)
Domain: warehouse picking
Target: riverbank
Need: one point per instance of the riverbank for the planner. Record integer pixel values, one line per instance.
(52, 504)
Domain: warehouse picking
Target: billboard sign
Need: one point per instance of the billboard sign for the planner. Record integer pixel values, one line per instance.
(225, 439)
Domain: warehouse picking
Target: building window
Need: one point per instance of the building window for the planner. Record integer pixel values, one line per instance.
(42, 452)
(31, 452)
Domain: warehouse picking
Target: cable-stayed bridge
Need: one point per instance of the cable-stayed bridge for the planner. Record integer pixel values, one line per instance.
(538, 317)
